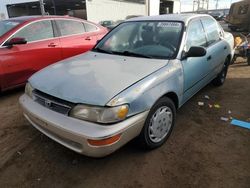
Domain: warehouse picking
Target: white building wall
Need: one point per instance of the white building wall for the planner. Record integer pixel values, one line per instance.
(154, 7)
(98, 10)
(177, 7)
(3, 8)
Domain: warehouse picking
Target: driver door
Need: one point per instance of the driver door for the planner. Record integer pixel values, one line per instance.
(195, 68)
(19, 62)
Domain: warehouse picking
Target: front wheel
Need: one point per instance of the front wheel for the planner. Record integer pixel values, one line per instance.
(220, 79)
(159, 124)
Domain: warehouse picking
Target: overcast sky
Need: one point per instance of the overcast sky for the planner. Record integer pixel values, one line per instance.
(187, 5)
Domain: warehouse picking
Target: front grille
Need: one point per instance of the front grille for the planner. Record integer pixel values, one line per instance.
(52, 103)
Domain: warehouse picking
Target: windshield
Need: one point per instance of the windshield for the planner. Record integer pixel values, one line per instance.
(7, 25)
(149, 39)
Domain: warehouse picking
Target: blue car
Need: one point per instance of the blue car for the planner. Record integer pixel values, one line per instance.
(130, 84)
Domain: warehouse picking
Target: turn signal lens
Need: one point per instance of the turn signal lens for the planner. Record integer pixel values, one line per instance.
(122, 112)
(28, 89)
(106, 141)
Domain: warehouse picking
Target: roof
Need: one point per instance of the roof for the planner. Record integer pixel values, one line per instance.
(38, 17)
(169, 17)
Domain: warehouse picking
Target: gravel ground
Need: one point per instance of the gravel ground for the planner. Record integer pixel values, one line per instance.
(202, 151)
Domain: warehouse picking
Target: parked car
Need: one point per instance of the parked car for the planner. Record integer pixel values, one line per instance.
(28, 44)
(239, 15)
(106, 23)
(133, 16)
(130, 85)
(217, 15)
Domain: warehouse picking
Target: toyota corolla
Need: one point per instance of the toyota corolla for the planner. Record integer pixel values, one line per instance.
(130, 85)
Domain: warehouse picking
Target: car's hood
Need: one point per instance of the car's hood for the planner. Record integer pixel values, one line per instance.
(93, 78)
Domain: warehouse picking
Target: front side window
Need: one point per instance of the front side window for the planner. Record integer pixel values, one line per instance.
(7, 25)
(195, 35)
(36, 31)
(151, 39)
(70, 27)
(212, 30)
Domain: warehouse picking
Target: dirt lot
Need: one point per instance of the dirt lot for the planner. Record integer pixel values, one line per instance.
(203, 151)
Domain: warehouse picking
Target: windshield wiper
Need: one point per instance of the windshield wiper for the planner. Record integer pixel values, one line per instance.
(128, 53)
(102, 51)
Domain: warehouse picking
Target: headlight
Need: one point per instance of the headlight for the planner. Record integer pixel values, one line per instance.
(100, 114)
(29, 89)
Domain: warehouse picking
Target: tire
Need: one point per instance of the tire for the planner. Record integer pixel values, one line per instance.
(159, 124)
(220, 79)
(233, 60)
(248, 59)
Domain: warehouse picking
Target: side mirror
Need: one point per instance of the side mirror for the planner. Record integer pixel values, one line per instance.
(195, 51)
(15, 41)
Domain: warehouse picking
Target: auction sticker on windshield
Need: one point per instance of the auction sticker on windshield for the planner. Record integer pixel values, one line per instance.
(169, 24)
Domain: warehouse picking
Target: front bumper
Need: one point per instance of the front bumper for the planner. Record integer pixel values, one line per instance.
(74, 133)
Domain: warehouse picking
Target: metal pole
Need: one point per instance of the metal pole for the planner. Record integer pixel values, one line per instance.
(54, 5)
(216, 4)
(198, 5)
(147, 7)
(42, 7)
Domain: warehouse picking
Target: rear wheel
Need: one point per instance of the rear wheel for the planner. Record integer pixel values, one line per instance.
(159, 124)
(220, 79)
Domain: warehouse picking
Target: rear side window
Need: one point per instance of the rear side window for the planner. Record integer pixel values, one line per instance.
(36, 31)
(195, 35)
(70, 27)
(90, 27)
(212, 30)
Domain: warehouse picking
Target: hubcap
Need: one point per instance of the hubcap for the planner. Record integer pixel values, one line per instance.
(160, 124)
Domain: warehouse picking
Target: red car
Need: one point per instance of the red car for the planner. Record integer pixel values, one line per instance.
(28, 44)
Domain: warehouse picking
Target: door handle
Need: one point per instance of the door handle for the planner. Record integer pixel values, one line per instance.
(209, 57)
(88, 38)
(52, 45)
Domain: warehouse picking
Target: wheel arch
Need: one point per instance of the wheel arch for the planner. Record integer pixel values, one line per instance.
(174, 97)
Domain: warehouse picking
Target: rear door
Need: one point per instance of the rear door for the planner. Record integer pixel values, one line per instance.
(21, 61)
(74, 37)
(217, 48)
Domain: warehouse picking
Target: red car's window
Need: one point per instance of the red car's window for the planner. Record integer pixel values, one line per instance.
(36, 31)
(90, 27)
(70, 27)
